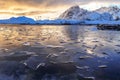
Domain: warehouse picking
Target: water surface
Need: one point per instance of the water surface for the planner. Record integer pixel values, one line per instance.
(95, 52)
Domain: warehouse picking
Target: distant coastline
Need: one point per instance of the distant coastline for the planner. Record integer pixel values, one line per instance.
(58, 22)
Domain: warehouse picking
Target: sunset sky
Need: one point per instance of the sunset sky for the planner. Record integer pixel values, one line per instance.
(44, 9)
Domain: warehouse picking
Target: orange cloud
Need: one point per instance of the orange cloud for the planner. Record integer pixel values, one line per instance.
(40, 7)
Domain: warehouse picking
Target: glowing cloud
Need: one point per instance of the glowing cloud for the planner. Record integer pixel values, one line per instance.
(47, 8)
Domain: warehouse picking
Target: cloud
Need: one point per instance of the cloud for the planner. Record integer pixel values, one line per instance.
(52, 4)
(27, 13)
(18, 9)
(49, 3)
(33, 7)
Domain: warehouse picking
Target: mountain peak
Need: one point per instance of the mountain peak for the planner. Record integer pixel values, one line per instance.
(114, 7)
(75, 7)
(111, 10)
(18, 20)
(74, 10)
(20, 17)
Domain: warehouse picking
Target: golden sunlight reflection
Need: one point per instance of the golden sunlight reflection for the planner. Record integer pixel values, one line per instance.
(74, 37)
(18, 35)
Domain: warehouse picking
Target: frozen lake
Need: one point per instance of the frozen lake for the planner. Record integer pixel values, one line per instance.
(94, 53)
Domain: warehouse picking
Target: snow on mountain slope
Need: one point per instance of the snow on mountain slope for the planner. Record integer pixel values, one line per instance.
(18, 20)
(111, 10)
(92, 16)
(74, 15)
(81, 14)
(114, 11)
(106, 16)
(73, 12)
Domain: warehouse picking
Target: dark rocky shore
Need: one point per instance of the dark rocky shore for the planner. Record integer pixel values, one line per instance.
(108, 27)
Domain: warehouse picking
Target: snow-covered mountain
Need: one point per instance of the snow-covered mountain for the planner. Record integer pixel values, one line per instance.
(18, 20)
(93, 16)
(104, 13)
(114, 11)
(26, 20)
(111, 10)
(73, 13)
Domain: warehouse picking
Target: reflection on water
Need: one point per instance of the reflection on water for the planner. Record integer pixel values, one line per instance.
(54, 34)
(16, 35)
(84, 45)
(72, 32)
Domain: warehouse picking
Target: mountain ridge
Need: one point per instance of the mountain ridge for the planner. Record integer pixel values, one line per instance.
(74, 15)
(18, 20)
(103, 13)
